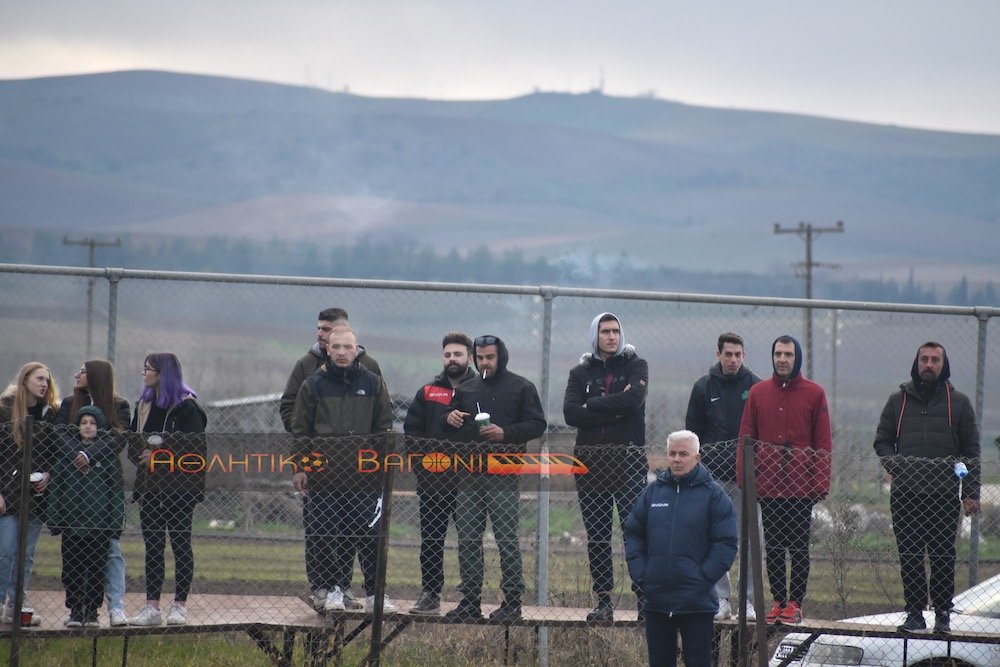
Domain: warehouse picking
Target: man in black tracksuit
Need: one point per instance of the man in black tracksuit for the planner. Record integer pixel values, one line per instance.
(436, 490)
(516, 416)
(926, 427)
(714, 413)
(606, 401)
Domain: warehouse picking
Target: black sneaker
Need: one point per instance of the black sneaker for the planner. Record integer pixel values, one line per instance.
(604, 611)
(428, 604)
(467, 610)
(942, 622)
(913, 623)
(506, 612)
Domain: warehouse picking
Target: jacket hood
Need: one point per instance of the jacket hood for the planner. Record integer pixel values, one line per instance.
(589, 357)
(96, 413)
(502, 356)
(797, 367)
(443, 379)
(593, 334)
(915, 370)
(700, 475)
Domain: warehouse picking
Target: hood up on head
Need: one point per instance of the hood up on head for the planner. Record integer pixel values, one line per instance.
(797, 367)
(502, 356)
(96, 413)
(945, 368)
(593, 334)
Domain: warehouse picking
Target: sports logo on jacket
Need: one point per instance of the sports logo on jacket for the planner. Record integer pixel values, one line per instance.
(436, 394)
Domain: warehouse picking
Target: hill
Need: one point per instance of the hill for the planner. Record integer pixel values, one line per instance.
(555, 175)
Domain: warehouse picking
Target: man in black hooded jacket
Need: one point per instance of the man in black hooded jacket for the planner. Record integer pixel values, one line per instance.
(926, 427)
(516, 416)
(606, 401)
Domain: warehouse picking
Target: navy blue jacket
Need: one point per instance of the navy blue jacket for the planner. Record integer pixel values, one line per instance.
(679, 540)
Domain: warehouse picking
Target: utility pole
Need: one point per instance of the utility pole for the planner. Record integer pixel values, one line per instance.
(806, 232)
(92, 244)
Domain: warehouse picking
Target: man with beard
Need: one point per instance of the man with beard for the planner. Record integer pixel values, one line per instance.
(516, 416)
(930, 421)
(435, 490)
(788, 415)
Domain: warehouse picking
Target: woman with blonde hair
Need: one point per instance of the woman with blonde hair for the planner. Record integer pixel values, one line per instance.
(33, 393)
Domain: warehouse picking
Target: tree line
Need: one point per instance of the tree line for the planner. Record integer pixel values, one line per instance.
(406, 259)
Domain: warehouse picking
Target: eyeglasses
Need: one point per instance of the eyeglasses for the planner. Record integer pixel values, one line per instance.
(486, 340)
(82, 371)
(149, 369)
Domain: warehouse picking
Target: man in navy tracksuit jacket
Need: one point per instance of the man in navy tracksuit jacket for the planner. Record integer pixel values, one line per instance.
(679, 539)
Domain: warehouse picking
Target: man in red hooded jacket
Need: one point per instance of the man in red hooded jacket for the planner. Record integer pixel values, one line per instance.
(789, 416)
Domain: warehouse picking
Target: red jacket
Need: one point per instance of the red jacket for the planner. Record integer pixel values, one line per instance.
(792, 423)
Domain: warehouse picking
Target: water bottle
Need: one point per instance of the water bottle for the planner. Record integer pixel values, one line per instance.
(961, 470)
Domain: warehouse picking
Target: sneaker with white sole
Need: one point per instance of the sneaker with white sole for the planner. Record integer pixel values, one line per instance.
(148, 616)
(388, 607)
(725, 610)
(351, 603)
(178, 615)
(751, 611)
(117, 617)
(318, 598)
(334, 600)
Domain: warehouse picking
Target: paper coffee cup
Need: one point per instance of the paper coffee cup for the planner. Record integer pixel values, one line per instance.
(26, 619)
(483, 419)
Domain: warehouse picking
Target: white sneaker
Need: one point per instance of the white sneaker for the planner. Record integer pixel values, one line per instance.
(118, 617)
(351, 603)
(178, 614)
(388, 607)
(334, 600)
(7, 615)
(147, 616)
(751, 612)
(318, 598)
(725, 610)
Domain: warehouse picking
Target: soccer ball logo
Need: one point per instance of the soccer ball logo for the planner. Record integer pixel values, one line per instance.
(312, 462)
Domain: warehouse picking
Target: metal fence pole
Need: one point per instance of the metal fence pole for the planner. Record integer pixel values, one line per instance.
(548, 296)
(114, 277)
(974, 534)
(28, 433)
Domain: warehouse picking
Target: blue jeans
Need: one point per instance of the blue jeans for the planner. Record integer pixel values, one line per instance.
(114, 576)
(8, 553)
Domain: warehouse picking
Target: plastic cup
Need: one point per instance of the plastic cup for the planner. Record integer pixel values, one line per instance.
(483, 419)
(35, 478)
(26, 619)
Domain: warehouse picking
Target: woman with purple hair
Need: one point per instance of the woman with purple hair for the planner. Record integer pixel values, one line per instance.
(166, 496)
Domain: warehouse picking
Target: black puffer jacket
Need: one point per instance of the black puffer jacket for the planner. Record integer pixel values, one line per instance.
(935, 423)
(610, 420)
(183, 427)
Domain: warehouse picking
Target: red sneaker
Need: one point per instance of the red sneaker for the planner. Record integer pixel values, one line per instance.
(791, 614)
(775, 612)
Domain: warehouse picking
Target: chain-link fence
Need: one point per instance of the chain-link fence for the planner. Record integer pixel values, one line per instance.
(252, 548)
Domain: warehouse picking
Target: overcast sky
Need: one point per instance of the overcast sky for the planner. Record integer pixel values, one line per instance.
(917, 63)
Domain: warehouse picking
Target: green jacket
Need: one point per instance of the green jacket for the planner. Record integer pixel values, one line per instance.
(81, 503)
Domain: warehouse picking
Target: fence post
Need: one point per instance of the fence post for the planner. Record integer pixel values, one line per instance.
(392, 444)
(28, 433)
(548, 296)
(974, 534)
(114, 277)
(750, 541)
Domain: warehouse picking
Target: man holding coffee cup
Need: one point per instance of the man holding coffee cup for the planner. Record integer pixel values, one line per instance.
(502, 408)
